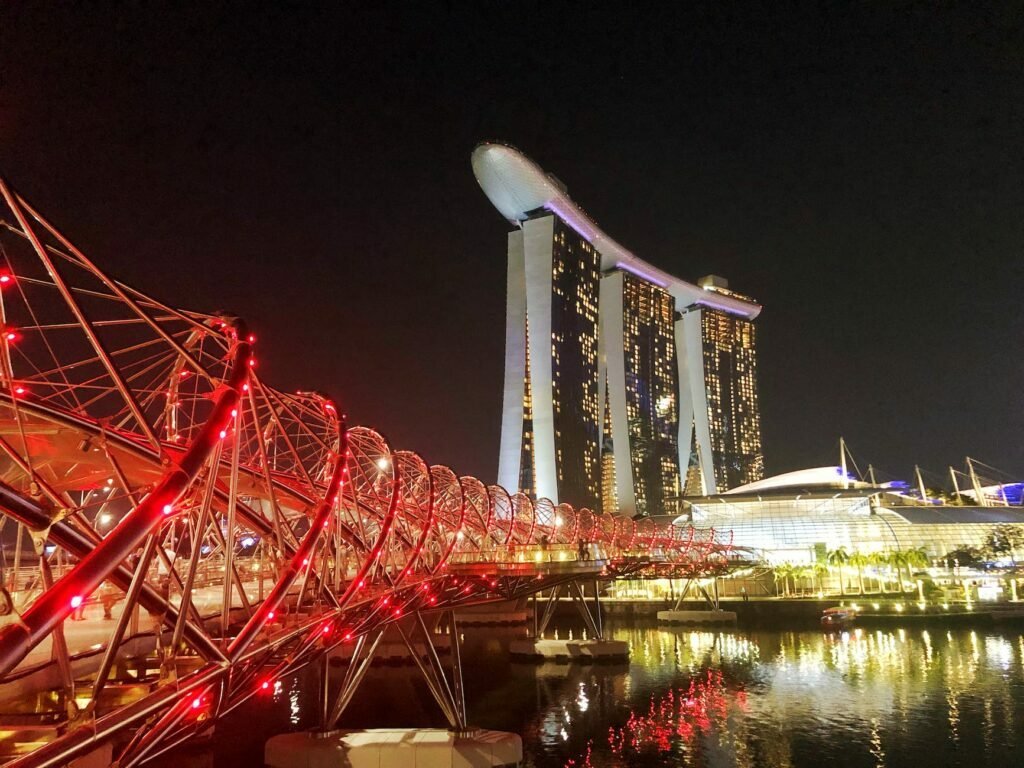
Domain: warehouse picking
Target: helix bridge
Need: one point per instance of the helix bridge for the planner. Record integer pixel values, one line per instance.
(230, 533)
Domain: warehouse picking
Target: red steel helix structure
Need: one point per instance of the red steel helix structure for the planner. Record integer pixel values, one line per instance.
(228, 531)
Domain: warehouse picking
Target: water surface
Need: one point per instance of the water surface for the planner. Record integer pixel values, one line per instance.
(868, 698)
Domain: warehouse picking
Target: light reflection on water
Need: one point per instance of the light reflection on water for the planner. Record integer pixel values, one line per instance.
(751, 699)
(879, 698)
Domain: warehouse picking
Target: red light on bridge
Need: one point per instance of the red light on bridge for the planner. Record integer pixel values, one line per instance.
(76, 601)
(168, 509)
(20, 390)
(6, 278)
(197, 702)
(270, 616)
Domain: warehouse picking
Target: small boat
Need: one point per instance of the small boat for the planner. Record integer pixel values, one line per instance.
(838, 618)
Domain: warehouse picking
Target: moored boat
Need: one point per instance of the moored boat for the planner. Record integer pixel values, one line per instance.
(838, 618)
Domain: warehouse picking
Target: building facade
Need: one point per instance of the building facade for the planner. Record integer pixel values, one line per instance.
(621, 381)
(718, 378)
(638, 358)
(551, 424)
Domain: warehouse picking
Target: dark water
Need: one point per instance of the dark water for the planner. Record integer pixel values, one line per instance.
(880, 698)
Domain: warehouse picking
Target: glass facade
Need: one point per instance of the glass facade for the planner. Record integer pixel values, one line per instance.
(801, 530)
(734, 416)
(575, 272)
(609, 496)
(693, 483)
(652, 409)
(527, 475)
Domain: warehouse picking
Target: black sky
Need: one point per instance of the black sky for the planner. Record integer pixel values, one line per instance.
(859, 171)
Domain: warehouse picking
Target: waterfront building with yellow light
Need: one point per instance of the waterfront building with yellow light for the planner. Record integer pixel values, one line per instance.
(799, 517)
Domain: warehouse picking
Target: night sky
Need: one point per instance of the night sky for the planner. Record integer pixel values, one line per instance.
(860, 173)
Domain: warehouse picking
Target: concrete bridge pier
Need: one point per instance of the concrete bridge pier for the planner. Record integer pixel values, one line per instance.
(503, 613)
(594, 648)
(459, 746)
(713, 615)
(379, 747)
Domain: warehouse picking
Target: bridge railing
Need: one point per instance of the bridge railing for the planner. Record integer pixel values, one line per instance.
(532, 553)
(140, 442)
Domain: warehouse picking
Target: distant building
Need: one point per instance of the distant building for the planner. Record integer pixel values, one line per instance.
(621, 381)
(799, 517)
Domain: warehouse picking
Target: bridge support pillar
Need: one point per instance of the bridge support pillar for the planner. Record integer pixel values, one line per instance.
(713, 615)
(697, 617)
(504, 613)
(539, 649)
(421, 747)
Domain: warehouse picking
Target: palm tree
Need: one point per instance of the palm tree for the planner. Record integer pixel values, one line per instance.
(803, 572)
(859, 560)
(915, 558)
(839, 557)
(898, 559)
(819, 570)
(782, 572)
(918, 558)
(879, 560)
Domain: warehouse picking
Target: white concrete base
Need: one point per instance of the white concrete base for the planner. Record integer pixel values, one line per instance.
(504, 612)
(697, 617)
(393, 652)
(571, 650)
(394, 748)
(477, 618)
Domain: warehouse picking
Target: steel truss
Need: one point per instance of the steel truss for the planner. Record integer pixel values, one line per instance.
(230, 533)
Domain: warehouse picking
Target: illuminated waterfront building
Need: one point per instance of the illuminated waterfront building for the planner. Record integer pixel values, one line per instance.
(589, 324)
(800, 516)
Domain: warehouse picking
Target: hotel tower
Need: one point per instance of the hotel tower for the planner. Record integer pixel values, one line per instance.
(624, 386)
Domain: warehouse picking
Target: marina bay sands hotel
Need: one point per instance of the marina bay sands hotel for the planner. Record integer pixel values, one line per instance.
(625, 387)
